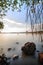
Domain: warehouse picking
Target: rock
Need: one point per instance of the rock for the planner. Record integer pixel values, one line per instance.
(3, 60)
(37, 51)
(40, 58)
(29, 48)
(15, 57)
(9, 49)
(42, 45)
(17, 42)
(1, 48)
(8, 58)
(13, 49)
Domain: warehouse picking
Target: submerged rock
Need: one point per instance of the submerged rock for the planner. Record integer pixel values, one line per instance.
(29, 48)
(9, 49)
(8, 58)
(42, 45)
(37, 51)
(14, 49)
(15, 57)
(17, 42)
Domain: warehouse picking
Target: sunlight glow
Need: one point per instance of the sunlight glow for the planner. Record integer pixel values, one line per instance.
(13, 26)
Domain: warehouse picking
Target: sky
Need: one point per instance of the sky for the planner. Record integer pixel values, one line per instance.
(13, 26)
(18, 16)
(14, 21)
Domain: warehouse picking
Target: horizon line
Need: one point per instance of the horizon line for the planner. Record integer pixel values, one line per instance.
(21, 32)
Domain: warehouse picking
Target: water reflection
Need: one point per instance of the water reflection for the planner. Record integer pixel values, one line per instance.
(1, 51)
(41, 38)
(9, 41)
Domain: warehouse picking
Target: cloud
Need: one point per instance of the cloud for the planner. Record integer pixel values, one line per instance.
(11, 23)
(13, 26)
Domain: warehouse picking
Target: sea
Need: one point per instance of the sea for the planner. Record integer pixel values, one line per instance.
(16, 41)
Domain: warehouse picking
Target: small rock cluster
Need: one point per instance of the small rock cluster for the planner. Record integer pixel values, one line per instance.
(3, 60)
(29, 48)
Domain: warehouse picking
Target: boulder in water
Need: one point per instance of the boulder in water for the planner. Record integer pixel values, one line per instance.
(29, 48)
(15, 57)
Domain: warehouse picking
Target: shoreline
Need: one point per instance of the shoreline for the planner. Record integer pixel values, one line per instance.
(38, 32)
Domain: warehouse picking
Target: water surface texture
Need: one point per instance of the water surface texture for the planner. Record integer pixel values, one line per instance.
(16, 41)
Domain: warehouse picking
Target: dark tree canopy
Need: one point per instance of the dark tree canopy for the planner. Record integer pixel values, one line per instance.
(5, 4)
(1, 25)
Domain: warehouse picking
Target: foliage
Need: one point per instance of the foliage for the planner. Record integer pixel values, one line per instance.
(1, 25)
(5, 4)
(16, 4)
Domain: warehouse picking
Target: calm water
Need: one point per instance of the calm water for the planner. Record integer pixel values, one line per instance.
(10, 40)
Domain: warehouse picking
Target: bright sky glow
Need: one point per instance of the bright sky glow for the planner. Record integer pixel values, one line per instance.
(13, 26)
(15, 21)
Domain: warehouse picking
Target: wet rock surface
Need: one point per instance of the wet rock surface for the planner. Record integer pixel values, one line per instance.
(3, 60)
(29, 48)
(9, 49)
(15, 57)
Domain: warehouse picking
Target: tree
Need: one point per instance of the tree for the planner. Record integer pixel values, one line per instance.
(1, 26)
(16, 4)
